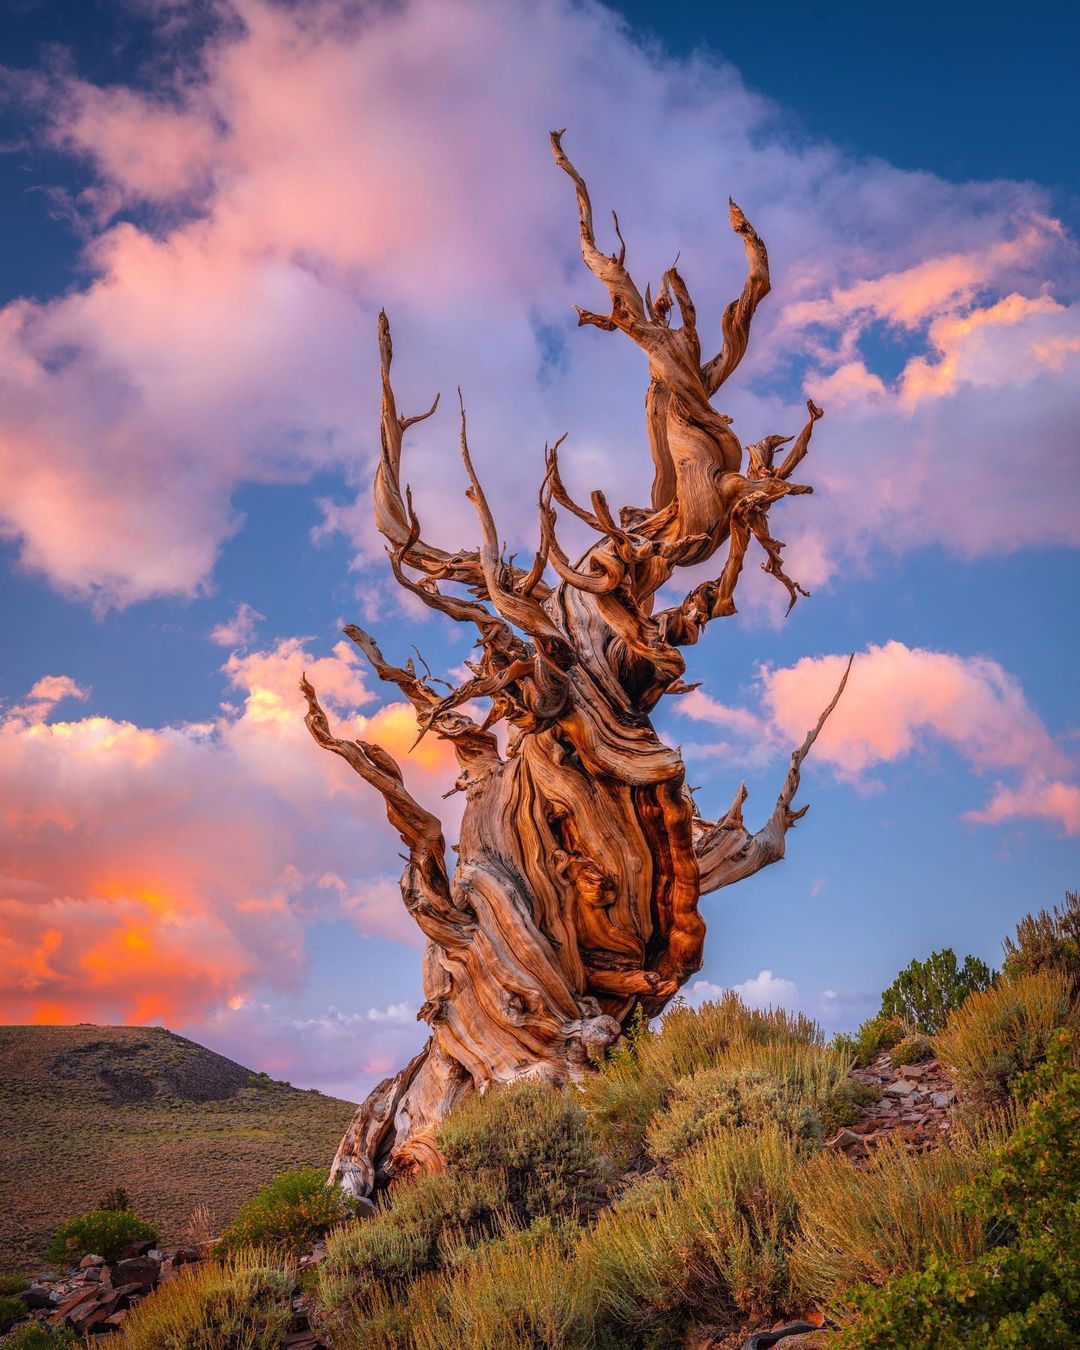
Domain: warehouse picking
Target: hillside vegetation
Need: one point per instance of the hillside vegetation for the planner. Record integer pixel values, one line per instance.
(720, 1173)
(87, 1108)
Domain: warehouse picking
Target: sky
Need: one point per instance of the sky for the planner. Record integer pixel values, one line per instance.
(207, 204)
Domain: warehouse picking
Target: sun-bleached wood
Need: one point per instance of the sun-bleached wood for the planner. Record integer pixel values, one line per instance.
(582, 855)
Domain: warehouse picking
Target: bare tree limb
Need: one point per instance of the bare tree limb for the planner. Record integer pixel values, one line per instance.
(425, 886)
(738, 316)
(727, 852)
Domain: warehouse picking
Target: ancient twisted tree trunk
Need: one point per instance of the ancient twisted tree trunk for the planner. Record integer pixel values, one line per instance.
(582, 857)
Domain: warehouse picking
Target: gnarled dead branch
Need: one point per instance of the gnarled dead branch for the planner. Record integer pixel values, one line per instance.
(581, 857)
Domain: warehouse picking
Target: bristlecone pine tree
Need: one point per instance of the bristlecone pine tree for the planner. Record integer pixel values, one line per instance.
(582, 856)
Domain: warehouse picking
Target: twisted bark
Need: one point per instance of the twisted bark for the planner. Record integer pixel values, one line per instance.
(582, 857)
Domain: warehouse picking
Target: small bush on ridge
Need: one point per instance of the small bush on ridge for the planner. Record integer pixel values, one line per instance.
(913, 1049)
(926, 992)
(115, 1198)
(1002, 1033)
(13, 1284)
(874, 1036)
(1048, 940)
(294, 1209)
(105, 1232)
(640, 1074)
(704, 1102)
(536, 1138)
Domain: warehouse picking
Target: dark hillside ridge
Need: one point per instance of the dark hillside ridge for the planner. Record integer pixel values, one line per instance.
(151, 1062)
(87, 1108)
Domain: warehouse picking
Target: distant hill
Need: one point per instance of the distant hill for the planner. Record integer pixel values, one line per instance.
(87, 1108)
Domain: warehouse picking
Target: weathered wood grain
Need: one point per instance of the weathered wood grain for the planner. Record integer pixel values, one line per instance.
(582, 856)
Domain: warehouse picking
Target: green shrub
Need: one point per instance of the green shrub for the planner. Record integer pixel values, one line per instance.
(1047, 941)
(867, 1225)
(713, 1099)
(105, 1232)
(515, 1155)
(639, 1075)
(290, 1213)
(1025, 1292)
(708, 1244)
(846, 1105)
(738, 1190)
(1003, 1032)
(926, 992)
(116, 1198)
(874, 1036)
(913, 1049)
(13, 1284)
(538, 1141)
(513, 1293)
(242, 1303)
(12, 1310)
(33, 1336)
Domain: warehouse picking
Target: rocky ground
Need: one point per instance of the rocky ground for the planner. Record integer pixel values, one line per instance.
(915, 1105)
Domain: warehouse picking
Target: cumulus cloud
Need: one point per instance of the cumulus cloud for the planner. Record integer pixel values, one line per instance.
(240, 630)
(317, 164)
(835, 1011)
(764, 990)
(159, 873)
(902, 701)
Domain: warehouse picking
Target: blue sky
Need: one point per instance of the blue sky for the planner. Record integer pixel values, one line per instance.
(189, 347)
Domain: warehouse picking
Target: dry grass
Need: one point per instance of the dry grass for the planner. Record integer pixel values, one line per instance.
(515, 1156)
(516, 1294)
(202, 1229)
(67, 1138)
(711, 1243)
(639, 1077)
(866, 1226)
(1003, 1031)
(793, 1084)
(243, 1303)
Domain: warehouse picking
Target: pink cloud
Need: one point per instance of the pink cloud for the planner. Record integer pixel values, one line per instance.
(318, 165)
(239, 631)
(938, 285)
(162, 872)
(143, 147)
(902, 701)
(1035, 799)
(45, 694)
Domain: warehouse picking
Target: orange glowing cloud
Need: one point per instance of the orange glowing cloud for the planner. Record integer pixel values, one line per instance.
(162, 873)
